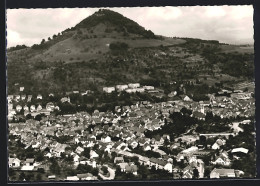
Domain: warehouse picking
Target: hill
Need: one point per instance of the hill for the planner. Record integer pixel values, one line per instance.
(107, 48)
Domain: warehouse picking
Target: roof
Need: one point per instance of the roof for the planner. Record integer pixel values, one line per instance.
(119, 159)
(157, 161)
(84, 175)
(131, 168)
(241, 149)
(29, 160)
(225, 172)
(11, 160)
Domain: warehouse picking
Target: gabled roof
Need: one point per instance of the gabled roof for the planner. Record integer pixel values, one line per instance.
(157, 161)
(225, 172)
(29, 160)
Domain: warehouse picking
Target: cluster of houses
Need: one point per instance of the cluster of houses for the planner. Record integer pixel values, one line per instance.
(123, 130)
(127, 125)
(129, 88)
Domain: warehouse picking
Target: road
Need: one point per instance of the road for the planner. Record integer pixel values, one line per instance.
(111, 174)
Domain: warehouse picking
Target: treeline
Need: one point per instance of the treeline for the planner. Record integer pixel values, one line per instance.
(17, 47)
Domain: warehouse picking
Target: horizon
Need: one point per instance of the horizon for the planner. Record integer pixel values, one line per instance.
(221, 23)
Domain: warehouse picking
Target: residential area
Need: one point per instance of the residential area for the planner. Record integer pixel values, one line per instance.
(54, 137)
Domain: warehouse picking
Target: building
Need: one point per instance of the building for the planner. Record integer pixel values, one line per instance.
(14, 162)
(109, 89)
(222, 173)
(134, 85)
(121, 87)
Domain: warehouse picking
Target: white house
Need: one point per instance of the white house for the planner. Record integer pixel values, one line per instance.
(168, 167)
(186, 98)
(109, 89)
(93, 154)
(18, 108)
(148, 87)
(21, 89)
(220, 173)
(121, 87)
(26, 108)
(14, 162)
(134, 85)
(39, 96)
(106, 139)
(39, 108)
(32, 108)
(218, 144)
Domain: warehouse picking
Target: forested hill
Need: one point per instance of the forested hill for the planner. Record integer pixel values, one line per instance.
(107, 49)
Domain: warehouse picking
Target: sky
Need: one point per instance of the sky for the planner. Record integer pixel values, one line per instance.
(227, 24)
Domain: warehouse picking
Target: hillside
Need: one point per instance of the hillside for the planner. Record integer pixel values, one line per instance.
(107, 48)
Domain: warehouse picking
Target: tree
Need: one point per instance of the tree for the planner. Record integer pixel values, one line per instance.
(207, 173)
(86, 152)
(195, 173)
(55, 168)
(43, 41)
(104, 169)
(39, 157)
(38, 177)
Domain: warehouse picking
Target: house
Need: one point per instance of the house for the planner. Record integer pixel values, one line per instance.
(144, 160)
(133, 85)
(39, 108)
(23, 97)
(21, 89)
(29, 162)
(188, 172)
(118, 145)
(79, 150)
(119, 160)
(133, 143)
(72, 178)
(109, 89)
(26, 108)
(18, 108)
(122, 166)
(52, 177)
(218, 144)
(14, 162)
(168, 167)
(221, 160)
(198, 115)
(121, 87)
(148, 87)
(222, 173)
(131, 169)
(32, 108)
(65, 99)
(87, 176)
(39, 96)
(76, 159)
(186, 98)
(106, 139)
(158, 163)
(50, 106)
(59, 148)
(93, 154)
(147, 147)
(29, 98)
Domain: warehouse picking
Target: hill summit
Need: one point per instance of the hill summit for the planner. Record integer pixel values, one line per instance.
(115, 20)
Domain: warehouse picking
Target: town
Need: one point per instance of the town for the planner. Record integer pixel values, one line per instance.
(157, 136)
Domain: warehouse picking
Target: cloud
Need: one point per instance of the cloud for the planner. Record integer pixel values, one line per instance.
(215, 11)
(230, 24)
